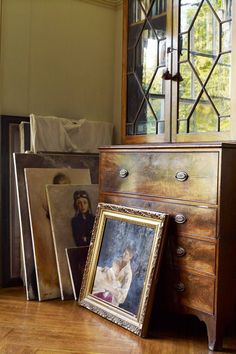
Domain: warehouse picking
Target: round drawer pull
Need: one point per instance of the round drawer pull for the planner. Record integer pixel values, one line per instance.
(180, 287)
(180, 251)
(123, 173)
(181, 176)
(180, 218)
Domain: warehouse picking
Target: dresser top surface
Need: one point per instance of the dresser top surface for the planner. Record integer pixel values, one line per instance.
(157, 146)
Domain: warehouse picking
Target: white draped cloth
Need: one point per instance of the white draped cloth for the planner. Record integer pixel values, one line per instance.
(49, 133)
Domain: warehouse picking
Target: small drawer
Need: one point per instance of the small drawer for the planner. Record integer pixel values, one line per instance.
(195, 254)
(175, 175)
(191, 290)
(185, 219)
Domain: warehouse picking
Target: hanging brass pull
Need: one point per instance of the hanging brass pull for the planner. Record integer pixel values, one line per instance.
(166, 75)
(177, 77)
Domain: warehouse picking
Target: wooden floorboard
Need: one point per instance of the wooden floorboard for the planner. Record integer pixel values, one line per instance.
(61, 327)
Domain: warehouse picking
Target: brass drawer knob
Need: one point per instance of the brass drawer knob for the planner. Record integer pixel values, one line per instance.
(180, 286)
(123, 173)
(181, 176)
(180, 251)
(180, 218)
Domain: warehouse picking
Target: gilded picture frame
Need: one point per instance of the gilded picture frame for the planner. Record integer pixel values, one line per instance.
(123, 265)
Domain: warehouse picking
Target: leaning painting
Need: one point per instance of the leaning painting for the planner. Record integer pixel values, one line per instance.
(122, 265)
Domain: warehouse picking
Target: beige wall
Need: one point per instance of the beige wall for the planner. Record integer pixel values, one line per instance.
(61, 57)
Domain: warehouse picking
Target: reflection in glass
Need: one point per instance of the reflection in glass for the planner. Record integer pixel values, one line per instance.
(138, 11)
(204, 118)
(190, 86)
(159, 6)
(204, 46)
(184, 49)
(223, 8)
(146, 62)
(158, 85)
(226, 36)
(185, 108)
(218, 87)
(146, 57)
(146, 122)
(225, 124)
(158, 107)
(182, 126)
(206, 84)
(187, 11)
(135, 98)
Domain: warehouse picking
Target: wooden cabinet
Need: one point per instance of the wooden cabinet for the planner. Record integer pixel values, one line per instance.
(195, 184)
(178, 71)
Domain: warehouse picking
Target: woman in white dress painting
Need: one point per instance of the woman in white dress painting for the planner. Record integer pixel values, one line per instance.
(113, 284)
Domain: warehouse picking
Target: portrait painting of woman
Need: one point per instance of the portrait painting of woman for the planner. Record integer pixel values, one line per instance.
(122, 264)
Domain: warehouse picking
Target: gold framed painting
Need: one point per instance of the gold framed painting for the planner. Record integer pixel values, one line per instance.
(123, 264)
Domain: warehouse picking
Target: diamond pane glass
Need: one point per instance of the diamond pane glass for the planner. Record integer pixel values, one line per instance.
(182, 126)
(188, 9)
(146, 4)
(146, 59)
(226, 36)
(184, 50)
(225, 124)
(209, 66)
(158, 84)
(185, 109)
(146, 122)
(145, 65)
(129, 129)
(135, 98)
(204, 41)
(219, 89)
(159, 6)
(223, 8)
(190, 87)
(204, 118)
(134, 34)
(158, 107)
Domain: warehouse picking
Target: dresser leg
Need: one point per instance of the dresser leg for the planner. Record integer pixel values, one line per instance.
(215, 334)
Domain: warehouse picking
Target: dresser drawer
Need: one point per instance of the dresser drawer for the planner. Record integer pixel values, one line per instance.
(185, 219)
(192, 253)
(191, 290)
(176, 175)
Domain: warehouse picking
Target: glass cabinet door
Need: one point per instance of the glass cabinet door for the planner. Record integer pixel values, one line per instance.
(146, 108)
(202, 104)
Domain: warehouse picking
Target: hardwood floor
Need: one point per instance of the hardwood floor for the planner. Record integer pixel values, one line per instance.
(63, 327)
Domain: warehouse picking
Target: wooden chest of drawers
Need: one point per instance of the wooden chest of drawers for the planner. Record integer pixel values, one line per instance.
(195, 184)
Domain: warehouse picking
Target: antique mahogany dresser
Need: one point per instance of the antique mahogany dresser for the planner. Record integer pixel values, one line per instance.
(179, 156)
(195, 184)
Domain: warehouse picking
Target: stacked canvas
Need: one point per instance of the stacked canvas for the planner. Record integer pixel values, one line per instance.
(54, 194)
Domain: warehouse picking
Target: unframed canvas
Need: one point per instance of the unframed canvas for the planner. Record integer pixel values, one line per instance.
(43, 249)
(64, 208)
(76, 259)
(42, 160)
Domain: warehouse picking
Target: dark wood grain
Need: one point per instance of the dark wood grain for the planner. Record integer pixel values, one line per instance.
(154, 174)
(207, 270)
(200, 222)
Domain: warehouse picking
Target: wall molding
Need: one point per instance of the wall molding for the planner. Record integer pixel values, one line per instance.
(112, 4)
